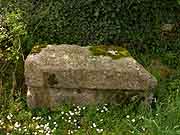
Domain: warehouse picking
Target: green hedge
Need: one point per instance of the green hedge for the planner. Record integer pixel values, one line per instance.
(97, 21)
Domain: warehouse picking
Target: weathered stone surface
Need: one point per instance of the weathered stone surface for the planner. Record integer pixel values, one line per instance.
(1, 87)
(70, 73)
(168, 27)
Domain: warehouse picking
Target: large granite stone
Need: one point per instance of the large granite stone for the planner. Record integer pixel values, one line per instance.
(70, 73)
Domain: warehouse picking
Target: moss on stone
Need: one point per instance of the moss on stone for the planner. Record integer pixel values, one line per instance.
(52, 80)
(115, 52)
(37, 48)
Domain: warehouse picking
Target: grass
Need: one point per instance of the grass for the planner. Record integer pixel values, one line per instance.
(162, 118)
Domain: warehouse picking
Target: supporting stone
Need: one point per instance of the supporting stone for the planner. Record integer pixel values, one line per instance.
(72, 74)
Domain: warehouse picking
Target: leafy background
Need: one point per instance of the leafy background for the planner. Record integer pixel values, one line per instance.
(134, 24)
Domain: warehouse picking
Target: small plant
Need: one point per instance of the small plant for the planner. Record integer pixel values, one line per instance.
(11, 36)
(115, 52)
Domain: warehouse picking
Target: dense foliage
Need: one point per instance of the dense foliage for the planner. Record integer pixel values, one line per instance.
(94, 22)
(135, 24)
(90, 21)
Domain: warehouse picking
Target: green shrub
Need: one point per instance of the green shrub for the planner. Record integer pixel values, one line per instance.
(13, 45)
(89, 21)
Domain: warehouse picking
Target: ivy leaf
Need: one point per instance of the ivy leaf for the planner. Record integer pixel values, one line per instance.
(178, 1)
(96, 13)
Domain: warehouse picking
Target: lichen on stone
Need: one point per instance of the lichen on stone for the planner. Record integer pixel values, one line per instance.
(37, 48)
(115, 52)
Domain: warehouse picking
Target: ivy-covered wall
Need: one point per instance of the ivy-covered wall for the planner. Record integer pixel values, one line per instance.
(98, 21)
